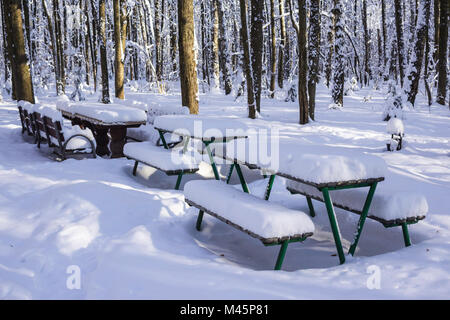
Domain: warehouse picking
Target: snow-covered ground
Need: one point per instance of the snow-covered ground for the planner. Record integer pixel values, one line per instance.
(134, 237)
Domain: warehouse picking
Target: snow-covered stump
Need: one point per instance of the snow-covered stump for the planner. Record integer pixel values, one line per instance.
(396, 129)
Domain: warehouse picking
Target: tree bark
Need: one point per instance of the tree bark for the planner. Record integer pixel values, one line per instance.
(273, 50)
(103, 57)
(188, 67)
(24, 85)
(400, 45)
(283, 47)
(419, 47)
(313, 54)
(256, 43)
(223, 49)
(302, 63)
(119, 52)
(246, 61)
(443, 47)
(339, 59)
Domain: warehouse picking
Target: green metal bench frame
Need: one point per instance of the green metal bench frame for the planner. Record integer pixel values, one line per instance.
(178, 173)
(284, 242)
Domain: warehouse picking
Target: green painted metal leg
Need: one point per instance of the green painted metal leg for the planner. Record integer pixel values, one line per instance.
(362, 218)
(198, 225)
(230, 173)
(269, 187)
(406, 235)
(312, 213)
(334, 224)
(163, 140)
(177, 185)
(211, 160)
(241, 178)
(135, 167)
(281, 255)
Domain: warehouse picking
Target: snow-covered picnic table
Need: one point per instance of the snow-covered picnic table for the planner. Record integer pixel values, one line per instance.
(101, 118)
(322, 168)
(208, 130)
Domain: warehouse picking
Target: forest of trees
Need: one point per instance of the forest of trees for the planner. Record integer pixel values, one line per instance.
(251, 48)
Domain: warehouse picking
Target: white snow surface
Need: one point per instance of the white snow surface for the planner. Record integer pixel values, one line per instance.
(171, 159)
(135, 238)
(264, 218)
(106, 113)
(385, 205)
(395, 126)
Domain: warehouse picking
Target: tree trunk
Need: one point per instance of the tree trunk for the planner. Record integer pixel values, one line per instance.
(313, 54)
(418, 53)
(273, 44)
(443, 47)
(119, 52)
(283, 47)
(103, 56)
(302, 63)
(188, 67)
(24, 85)
(246, 61)
(256, 43)
(400, 46)
(158, 51)
(224, 59)
(367, 71)
(215, 46)
(339, 58)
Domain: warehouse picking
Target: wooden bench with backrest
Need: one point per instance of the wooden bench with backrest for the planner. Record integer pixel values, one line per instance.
(266, 221)
(66, 142)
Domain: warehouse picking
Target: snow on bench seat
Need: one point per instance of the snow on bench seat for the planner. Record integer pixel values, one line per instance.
(171, 161)
(264, 220)
(387, 208)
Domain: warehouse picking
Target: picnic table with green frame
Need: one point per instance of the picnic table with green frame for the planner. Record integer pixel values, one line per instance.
(207, 141)
(325, 189)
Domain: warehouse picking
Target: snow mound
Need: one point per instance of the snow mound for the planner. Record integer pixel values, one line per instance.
(395, 126)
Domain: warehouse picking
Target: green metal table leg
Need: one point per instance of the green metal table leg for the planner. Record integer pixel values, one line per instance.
(363, 217)
(334, 224)
(269, 187)
(312, 213)
(135, 167)
(211, 160)
(406, 234)
(177, 185)
(163, 140)
(281, 255)
(230, 173)
(241, 177)
(198, 225)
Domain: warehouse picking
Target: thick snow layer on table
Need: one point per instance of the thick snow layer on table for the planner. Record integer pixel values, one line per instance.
(317, 164)
(106, 113)
(201, 126)
(395, 126)
(385, 205)
(155, 111)
(264, 218)
(168, 160)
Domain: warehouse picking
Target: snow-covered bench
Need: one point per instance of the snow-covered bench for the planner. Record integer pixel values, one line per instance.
(271, 223)
(66, 140)
(390, 209)
(26, 117)
(170, 161)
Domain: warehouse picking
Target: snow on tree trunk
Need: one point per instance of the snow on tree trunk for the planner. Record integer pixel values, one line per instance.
(337, 91)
